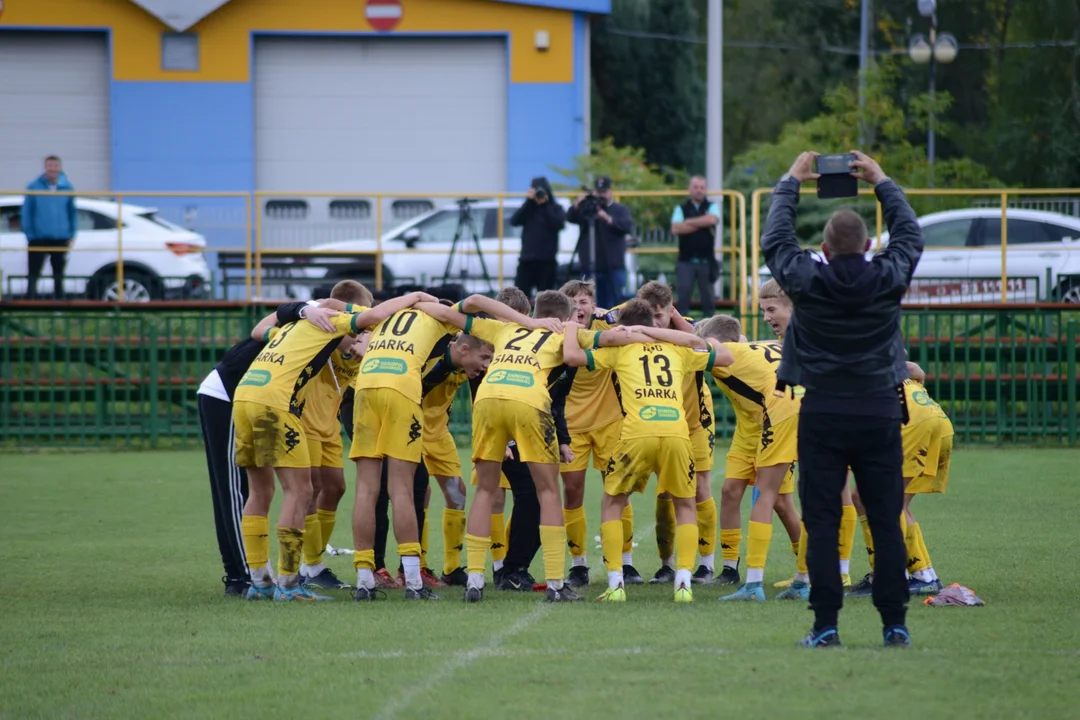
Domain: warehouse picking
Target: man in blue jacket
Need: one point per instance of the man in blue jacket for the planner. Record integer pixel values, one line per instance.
(843, 346)
(49, 222)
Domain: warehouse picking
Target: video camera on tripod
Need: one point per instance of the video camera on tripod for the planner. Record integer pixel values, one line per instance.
(589, 205)
(465, 222)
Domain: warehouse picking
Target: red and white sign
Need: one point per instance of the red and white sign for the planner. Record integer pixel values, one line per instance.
(384, 15)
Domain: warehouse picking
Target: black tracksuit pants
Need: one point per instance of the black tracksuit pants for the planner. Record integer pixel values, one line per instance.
(871, 447)
(228, 484)
(524, 540)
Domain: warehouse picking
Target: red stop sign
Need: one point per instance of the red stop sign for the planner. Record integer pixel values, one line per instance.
(383, 15)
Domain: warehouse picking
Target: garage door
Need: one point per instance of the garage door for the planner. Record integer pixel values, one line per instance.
(392, 114)
(55, 102)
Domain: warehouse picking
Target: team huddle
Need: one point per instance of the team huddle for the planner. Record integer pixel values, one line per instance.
(556, 385)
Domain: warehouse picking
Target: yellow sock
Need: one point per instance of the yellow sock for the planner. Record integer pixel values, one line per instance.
(916, 560)
(665, 527)
(313, 544)
(256, 532)
(290, 541)
(757, 545)
(706, 528)
(498, 537)
(628, 528)
(476, 550)
(506, 529)
(408, 550)
(922, 547)
(686, 545)
(868, 539)
(424, 542)
(848, 523)
(453, 533)
(611, 540)
(800, 556)
(364, 560)
(327, 520)
(575, 530)
(730, 540)
(553, 545)
(795, 546)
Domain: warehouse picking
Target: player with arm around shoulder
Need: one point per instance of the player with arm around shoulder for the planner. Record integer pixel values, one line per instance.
(654, 436)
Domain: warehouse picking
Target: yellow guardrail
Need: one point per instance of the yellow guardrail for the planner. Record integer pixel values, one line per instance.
(1003, 194)
(735, 249)
(120, 198)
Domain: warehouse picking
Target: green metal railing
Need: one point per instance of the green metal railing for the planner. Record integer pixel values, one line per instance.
(99, 377)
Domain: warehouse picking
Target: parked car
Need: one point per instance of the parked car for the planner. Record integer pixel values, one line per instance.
(161, 260)
(416, 252)
(961, 261)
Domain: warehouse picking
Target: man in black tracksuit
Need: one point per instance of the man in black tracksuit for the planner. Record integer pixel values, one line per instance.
(228, 483)
(844, 347)
(540, 219)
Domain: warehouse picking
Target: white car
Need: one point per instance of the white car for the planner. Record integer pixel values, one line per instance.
(417, 251)
(961, 261)
(161, 260)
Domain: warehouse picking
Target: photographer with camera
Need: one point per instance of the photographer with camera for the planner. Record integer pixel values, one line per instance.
(694, 222)
(540, 220)
(844, 347)
(610, 223)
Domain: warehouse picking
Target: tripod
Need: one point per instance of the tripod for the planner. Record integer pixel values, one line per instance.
(465, 221)
(588, 269)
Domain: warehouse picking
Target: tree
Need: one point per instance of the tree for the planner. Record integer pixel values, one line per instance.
(651, 92)
(892, 128)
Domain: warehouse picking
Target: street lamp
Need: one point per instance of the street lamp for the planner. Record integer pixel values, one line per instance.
(933, 50)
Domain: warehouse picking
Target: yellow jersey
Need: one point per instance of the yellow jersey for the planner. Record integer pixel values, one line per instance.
(921, 407)
(749, 383)
(652, 377)
(526, 361)
(697, 402)
(440, 384)
(321, 399)
(594, 399)
(297, 352)
(399, 348)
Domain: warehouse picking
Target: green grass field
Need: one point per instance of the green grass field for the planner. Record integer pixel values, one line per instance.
(112, 607)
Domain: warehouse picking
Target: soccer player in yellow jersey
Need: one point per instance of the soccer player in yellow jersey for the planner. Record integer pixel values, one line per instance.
(753, 368)
(269, 438)
(927, 438)
(514, 403)
(321, 399)
(387, 407)
(466, 357)
(697, 398)
(776, 449)
(654, 436)
(776, 309)
(593, 417)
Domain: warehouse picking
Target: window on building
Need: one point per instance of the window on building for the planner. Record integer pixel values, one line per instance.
(179, 51)
(350, 210)
(286, 209)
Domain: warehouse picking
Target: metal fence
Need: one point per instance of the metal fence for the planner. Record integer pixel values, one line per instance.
(245, 246)
(98, 377)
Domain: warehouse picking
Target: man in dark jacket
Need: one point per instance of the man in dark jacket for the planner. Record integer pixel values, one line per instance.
(49, 222)
(613, 225)
(843, 346)
(540, 219)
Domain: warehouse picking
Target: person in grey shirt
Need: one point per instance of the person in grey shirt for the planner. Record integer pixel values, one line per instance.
(694, 222)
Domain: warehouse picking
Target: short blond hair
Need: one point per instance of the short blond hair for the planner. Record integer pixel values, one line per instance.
(579, 287)
(772, 290)
(724, 328)
(515, 299)
(553, 304)
(350, 291)
(656, 293)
